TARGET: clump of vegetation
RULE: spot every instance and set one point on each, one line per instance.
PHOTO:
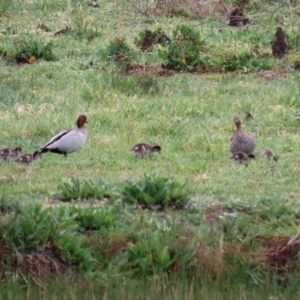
(183, 53)
(162, 252)
(28, 49)
(93, 218)
(77, 189)
(39, 242)
(244, 62)
(148, 38)
(155, 192)
(120, 51)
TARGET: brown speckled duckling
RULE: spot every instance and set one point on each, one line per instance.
(143, 149)
(7, 154)
(241, 158)
(28, 159)
(269, 155)
(241, 141)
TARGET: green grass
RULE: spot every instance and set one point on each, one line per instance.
(189, 115)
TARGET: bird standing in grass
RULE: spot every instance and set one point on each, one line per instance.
(241, 141)
(68, 141)
(143, 149)
(28, 159)
(269, 155)
(241, 158)
(7, 154)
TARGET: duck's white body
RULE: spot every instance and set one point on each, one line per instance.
(68, 141)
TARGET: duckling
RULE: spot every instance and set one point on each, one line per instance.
(248, 115)
(269, 155)
(7, 154)
(241, 158)
(241, 140)
(143, 149)
(68, 141)
(28, 159)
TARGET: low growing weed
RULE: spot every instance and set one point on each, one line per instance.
(77, 189)
(119, 50)
(155, 192)
(27, 49)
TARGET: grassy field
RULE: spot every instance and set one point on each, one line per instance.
(189, 114)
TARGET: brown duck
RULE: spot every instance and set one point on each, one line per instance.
(7, 154)
(241, 141)
(269, 155)
(241, 158)
(143, 149)
(28, 159)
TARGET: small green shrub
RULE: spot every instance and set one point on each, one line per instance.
(155, 192)
(94, 218)
(245, 63)
(183, 53)
(158, 251)
(77, 189)
(36, 227)
(50, 232)
(26, 47)
(119, 50)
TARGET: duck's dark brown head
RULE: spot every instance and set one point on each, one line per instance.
(81, 121)
(18, 149)
(156, 149)
(251, 156)
(37, 154)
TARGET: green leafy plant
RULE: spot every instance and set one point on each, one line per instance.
(119, 50)
(94, 218)
(183, 53)
(245, 62)
(27, 48)
(155, 191)
(45, 232)
(160, 250)
(77, 189)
